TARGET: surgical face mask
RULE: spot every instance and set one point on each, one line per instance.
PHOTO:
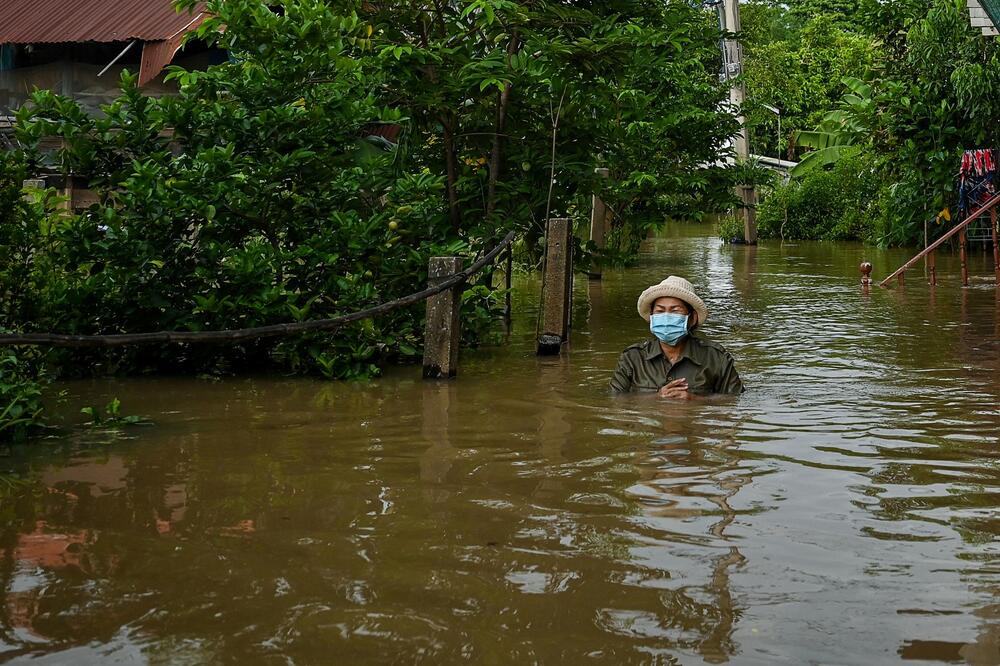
(669, 327)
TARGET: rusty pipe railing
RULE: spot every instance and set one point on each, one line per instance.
(959, 228)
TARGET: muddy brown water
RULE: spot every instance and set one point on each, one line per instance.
(842, 511)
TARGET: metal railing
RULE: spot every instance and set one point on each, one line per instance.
(959, 230)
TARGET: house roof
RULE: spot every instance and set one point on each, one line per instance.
(54, 21)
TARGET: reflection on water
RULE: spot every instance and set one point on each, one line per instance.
(842, 511)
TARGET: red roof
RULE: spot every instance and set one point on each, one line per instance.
(51, 21)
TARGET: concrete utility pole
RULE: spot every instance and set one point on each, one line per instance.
(732, 63)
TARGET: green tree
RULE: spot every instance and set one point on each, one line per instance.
(518, 102)
(244, 200)
(801, 77)
(935, 96)
(841, 130)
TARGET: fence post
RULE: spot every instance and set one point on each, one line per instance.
(996, 246)
(963, 258)
(443, 328)
(557, 286)
(598, 224)
(748, 196)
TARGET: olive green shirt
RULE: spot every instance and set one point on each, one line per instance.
(707, 367)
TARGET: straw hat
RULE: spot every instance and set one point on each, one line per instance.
(674, 286)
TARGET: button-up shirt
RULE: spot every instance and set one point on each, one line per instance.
(707, 367)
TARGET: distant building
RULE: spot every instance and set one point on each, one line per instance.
(79, 47)
(985, 15)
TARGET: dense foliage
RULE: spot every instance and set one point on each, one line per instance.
(517, 103)
(915, 85)
(834, 204)
(258, 205)
(935, 97)
(265, 190)
(799, 73)
(21, 386)
(21, 380)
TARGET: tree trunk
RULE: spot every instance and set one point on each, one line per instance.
(496, 154)
(451, 165)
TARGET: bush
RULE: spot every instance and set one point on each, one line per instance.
(20, 397)
(731, 228)
(835, 204)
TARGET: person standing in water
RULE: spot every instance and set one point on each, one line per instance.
(674, 362)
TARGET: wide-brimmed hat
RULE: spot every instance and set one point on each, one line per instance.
(676, 287)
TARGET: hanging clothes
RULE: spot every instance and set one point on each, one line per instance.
(976, 180)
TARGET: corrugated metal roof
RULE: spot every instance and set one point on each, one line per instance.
(51, 21)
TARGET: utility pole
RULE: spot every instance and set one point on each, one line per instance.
(732, 64)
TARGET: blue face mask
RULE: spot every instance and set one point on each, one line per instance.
(669, 327)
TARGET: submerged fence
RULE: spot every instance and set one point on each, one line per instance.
(441, 338)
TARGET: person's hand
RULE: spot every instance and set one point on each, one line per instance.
(676, 390)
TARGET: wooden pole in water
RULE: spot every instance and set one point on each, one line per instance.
(508, 281)
(557, 287)
(443, 328)
(996, 247)
(932, 266)
(963, 258)
(598, 224)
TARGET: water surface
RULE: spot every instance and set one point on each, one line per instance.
(842, 511)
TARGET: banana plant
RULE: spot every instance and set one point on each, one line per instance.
(839, 132)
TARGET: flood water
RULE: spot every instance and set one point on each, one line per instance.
(842, 511)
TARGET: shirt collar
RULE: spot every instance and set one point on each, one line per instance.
(693, 350)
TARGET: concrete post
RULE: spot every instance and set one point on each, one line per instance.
(748, 195)
(443, 328)
(557, 287)
(732, 62)
(598, 224)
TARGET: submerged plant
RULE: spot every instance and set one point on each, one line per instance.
(21, 389)
(111, 416)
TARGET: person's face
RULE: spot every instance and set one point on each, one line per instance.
(671, 305)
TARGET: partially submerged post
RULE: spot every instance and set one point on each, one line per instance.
(732, 63)
(598, 224)
(963, 258)
(557, 287)
(996, 247)
(932, 267)
(866, 275)
(508, 283)
(443, 329)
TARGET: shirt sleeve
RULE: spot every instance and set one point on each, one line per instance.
(729, 380)
(621, 382)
